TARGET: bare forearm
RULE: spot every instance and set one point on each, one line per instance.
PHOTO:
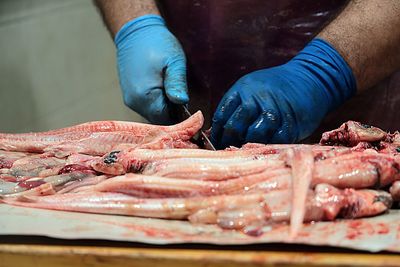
(367, 35)
(117, 12)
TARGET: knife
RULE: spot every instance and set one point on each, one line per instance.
(207, 142)
(180, 113)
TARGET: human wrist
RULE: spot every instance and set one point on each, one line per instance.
(137, 24)
(326, 68)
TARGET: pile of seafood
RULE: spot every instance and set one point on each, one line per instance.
(134, 169)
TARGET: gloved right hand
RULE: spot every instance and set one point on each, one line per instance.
(151, 68)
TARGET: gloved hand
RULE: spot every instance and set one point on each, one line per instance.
(284, 104)
(151, 68)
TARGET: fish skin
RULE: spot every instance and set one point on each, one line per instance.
(325, 203)
(15, 189)
(97, 138)
(160, 187)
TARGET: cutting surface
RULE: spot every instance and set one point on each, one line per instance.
(371, 234)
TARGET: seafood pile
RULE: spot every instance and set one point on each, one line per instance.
(142, 170)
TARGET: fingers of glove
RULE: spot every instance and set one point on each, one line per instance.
(149, 103)
(265, 126)
(267, 122)
(287, 133)
(175, 81)
(235, 129)
(225, 109)
(158, 112)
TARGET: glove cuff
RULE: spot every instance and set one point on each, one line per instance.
(328, 68)
(137, 24)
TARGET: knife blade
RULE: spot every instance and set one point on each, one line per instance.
(179, 113)
(203, 135)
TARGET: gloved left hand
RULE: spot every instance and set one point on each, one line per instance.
(284, 104)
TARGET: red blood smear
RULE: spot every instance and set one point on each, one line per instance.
(303, 234)
(31, 184)
(9, 178)
(383, 229)
(72, 168)
(352, 235)
(254, 232)
(398, 232)
(355, 224)
(147, 230)
(33, 150)
(359, 228)
(7, 164)
(354, 230)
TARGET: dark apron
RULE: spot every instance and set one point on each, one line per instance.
(226, 39)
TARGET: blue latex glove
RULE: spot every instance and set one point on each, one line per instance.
(151, 68)
(284, 104)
